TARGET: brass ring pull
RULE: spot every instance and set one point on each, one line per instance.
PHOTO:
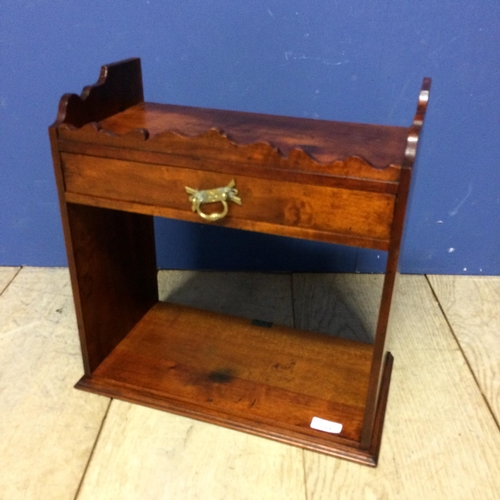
(217, 195)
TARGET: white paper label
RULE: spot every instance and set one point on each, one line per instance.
(320, 424)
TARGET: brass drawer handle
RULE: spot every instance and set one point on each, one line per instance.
(222, 195)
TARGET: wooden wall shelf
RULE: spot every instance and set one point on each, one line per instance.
(119, 161)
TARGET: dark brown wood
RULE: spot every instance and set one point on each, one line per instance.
(347, 213)
(248, 225)
(218, 364)
(324, 141)
(215, 364)
(115, 274)
(112, 264)
(380, 350)
(120, 161)
(119, 87)
(342, 174)
(378, 424)
(312, 145)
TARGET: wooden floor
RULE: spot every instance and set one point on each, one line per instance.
(441, 438)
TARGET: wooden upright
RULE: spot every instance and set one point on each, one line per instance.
(119, 161)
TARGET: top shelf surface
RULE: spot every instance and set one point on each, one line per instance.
(324, 141)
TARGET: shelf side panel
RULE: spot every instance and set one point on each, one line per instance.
(381, 349)
(114, 271)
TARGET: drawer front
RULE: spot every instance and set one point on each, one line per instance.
(278, 206)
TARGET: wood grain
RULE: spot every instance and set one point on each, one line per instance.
(440, 441)
(7, 274)
(144, 453)
(345, 213)
(325, 141)
(118, 87)
(350, 173)
(48, 429)
(268, 380)
(472, 306)
(113, 267)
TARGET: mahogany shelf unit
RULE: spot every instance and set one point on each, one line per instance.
(120, 161)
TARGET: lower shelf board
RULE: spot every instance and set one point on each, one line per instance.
(251, 376)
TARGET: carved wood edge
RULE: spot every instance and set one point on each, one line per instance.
(118, 87)
(216, 144)
(418, 122)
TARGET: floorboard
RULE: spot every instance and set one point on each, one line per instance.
(48, 429)
(144, 453)
(472, 306)
(440, 440)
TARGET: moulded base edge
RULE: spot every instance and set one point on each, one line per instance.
(336, 447)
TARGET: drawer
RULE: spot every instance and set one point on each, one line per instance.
(279, 206)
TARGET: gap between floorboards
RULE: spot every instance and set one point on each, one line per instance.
(91, 454)
(455, 337)
(11, 280)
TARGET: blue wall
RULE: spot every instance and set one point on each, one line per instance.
(354, 61)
